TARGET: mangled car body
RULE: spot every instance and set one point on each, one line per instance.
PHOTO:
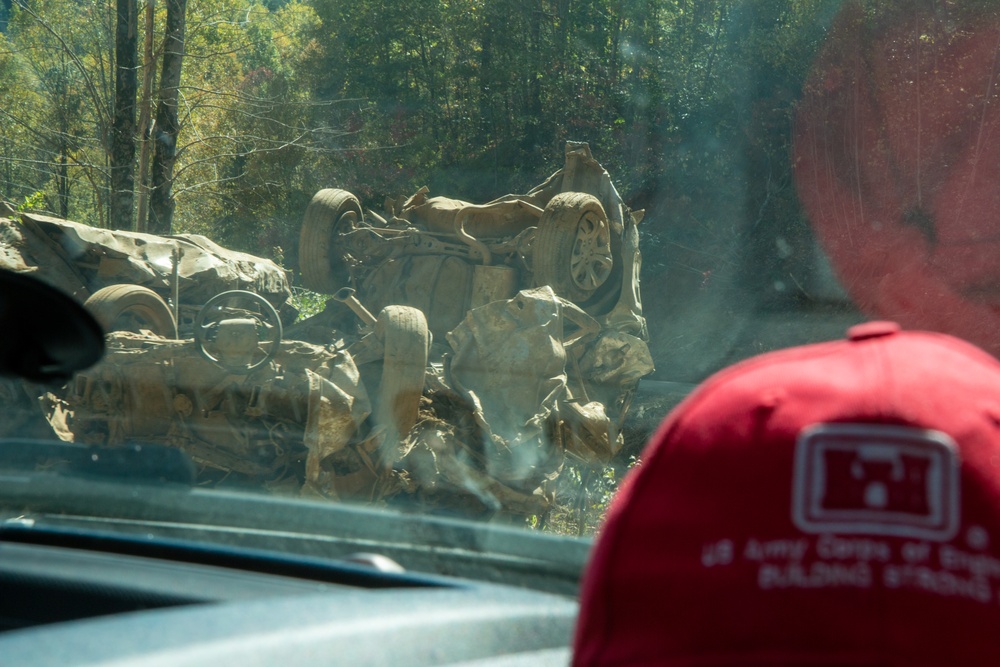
(444, 256)
(131, 280)
(573, 234)
(467, 392)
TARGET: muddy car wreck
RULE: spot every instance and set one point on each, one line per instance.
(128, 279)
(467, 352)
(444, 256)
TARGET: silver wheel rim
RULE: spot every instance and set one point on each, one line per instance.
(591, 262)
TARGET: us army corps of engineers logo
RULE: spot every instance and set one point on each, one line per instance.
(878, 480)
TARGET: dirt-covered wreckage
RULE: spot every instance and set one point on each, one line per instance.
(468, 350)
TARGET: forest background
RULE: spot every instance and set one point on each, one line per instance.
(688, 103)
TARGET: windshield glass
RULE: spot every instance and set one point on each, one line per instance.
(457, 258)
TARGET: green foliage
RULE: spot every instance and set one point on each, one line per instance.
(57, 52)
(687, 102)
(583, 497)
(307, 302)
(32, 202)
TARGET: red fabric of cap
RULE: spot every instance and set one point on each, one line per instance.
(834, 504)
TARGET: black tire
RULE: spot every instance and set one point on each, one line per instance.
(322, 267)
(403, 332)
(132, 308)
(573, 252)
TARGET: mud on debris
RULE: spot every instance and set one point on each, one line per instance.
(467, 353)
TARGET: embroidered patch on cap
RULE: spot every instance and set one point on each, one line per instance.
(877, 480)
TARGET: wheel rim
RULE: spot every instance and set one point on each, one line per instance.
(591, 261)
(346, 223)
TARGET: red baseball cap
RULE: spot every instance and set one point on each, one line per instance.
(833, 504)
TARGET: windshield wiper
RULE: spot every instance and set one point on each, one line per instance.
(130, 463)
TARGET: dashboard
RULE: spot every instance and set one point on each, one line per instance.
(99, 571)
(67, 606)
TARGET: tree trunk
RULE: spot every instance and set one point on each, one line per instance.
(167, 127)
(532, 112)
(123, 122)
(62, 181)
(145, 116)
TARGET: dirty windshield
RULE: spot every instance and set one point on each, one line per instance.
(459, 258)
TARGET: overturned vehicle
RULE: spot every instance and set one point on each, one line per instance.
(474, 410)
(133, 281)
(572, 234)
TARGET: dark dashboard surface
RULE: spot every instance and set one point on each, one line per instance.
(67, 606)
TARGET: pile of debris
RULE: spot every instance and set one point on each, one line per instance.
(508, 339)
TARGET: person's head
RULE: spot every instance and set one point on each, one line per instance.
(834, 504)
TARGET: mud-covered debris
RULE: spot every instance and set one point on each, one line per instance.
(301, 407)
(81, 260)
(471, 350)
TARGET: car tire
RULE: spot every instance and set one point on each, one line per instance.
(573, 251)
(132, 308)
(322, 267)
(404, 336)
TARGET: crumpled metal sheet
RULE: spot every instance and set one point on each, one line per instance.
(80, 260)
(440, 466)
(589, 431)
(521, 371)
(25, 251)
(439, 214)
(337, 406)
(437, 285)
(580, 173)
(511, 364)
(308, 403)
(510, 359)
(616, 360)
